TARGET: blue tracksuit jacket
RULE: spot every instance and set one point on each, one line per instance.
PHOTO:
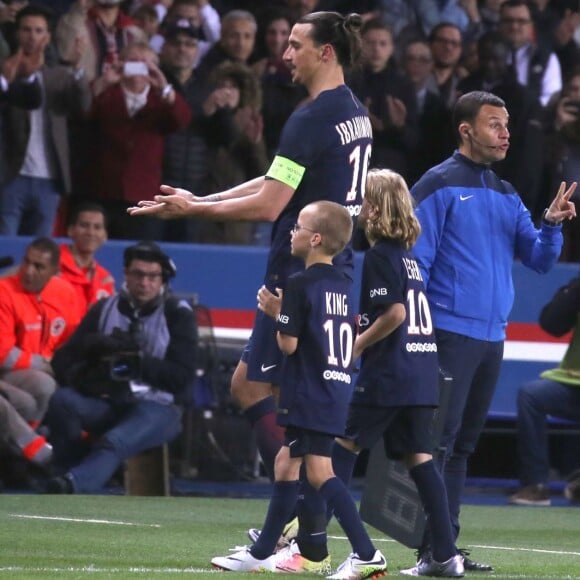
(473, 226)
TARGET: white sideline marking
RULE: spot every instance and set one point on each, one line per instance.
(99, 570)
(82, 521)
(535, 550)
(373, 539)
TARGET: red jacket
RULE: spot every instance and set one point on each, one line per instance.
(130, 150)
(91, 284)
(33, 326)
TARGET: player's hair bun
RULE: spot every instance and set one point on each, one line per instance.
(353, 22)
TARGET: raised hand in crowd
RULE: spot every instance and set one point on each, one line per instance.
(221, 98)
(250, 122)
(567, 111)
(79, 48)
(397, 111)
(22, 64)
(112, 73)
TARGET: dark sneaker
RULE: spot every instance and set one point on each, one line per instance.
(452, 568)
(572, 491)
(471, 565)
(533, 495)
(59, 485)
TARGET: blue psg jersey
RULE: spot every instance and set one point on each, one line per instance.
(316, 385)
(331, 139)
(401, 369)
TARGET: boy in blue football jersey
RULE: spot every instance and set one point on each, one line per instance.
(315, 330)
(397, 388)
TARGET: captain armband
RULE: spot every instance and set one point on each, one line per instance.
(286, 171)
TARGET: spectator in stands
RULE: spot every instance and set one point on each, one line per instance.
(107, 29)
(436, 141)
(564, 43)
(123, 374)
(445, 42)
(8, 22)
(556, 393)
(242, 157)
(389, 97)
(147, 20)
(238, 38)
(38, 159)
(564, 151)
(534, 66)
(555, 23)
(38, 312)
(87, 230)
(133, 114)
(281, 95)
(489, 13)
(203, 17)
(523, 164)
(186, 151)
(473, 225)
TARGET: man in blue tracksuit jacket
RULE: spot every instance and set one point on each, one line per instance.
(473, 226)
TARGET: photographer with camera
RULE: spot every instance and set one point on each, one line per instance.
(123, 373)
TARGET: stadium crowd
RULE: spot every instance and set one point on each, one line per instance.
(86, 122)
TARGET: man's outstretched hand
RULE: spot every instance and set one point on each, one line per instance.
(173, 203)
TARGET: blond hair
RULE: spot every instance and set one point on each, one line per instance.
(334, 224)
(395, 219)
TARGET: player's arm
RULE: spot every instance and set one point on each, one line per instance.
(286, 343)
(261, 199)
(391, 318)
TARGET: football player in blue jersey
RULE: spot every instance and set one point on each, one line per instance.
(315, 329)
(323, 153)
(473, 225)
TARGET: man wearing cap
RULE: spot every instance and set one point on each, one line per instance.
(123, 374)
(186, 151)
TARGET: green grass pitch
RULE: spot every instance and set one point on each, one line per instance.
(97, 537)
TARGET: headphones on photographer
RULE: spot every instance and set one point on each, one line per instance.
(150, 252)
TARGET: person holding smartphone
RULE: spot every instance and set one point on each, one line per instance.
(135, 109)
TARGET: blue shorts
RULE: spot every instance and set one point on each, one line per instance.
(303, 442)
(261, 354)
(404, 430)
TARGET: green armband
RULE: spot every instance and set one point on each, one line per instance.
(286, 171)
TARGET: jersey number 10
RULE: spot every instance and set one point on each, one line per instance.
(345, 340)
(359, 171)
